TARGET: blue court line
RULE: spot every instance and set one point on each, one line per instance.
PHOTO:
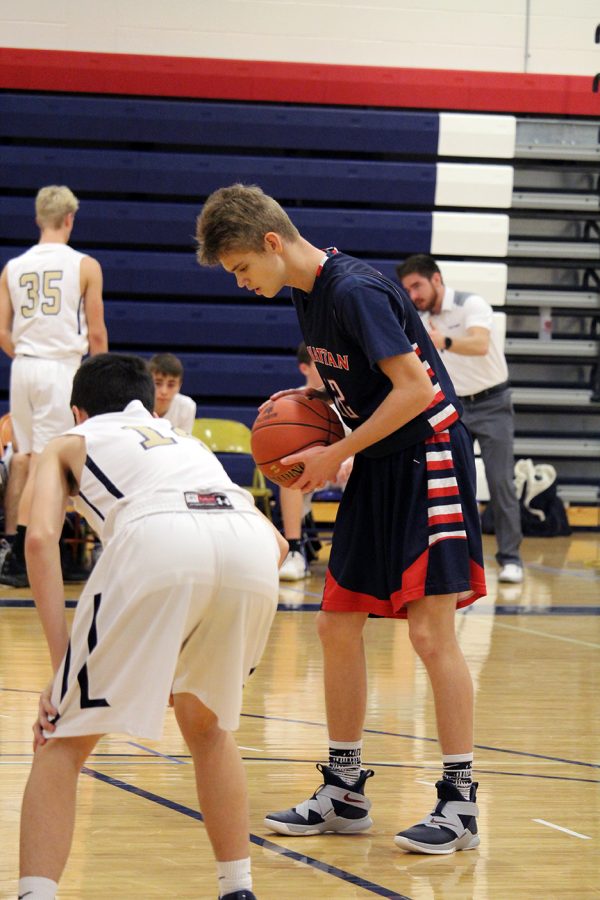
(479, 609)
(28, 603)
(389, 765)
(185, 759)
(255, 839)
(503, 609)
(500, 609)
(152, 752)
(416, 737)
(411, 737)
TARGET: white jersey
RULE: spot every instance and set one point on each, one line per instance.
(45, 291)
(135, 461)
(470, 374)
(181, 412)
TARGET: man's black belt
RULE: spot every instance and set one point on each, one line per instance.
(489, 392)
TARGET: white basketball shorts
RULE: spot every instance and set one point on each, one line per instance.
(40, 400)
(178, 602)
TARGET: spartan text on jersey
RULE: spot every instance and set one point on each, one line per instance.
(323, 356)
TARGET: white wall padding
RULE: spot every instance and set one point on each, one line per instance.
(490, 137)
(463, 184)
(469, 234)
(489, 280)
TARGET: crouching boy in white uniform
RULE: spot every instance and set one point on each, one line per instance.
(181, 601)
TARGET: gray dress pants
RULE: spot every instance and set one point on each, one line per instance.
(491, 421)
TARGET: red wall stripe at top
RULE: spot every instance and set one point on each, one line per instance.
(288, 82)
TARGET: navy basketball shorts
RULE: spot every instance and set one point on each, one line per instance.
(408, 527)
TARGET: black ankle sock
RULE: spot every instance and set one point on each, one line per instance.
(295, 545)
(18, 547)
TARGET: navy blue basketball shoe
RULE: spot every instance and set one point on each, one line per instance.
(451, 826)
(334, 806)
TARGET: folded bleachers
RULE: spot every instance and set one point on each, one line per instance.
(490, 196)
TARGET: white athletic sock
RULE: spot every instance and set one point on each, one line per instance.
(234, 876)
(34, 888)
(345, 759)
(458, 769)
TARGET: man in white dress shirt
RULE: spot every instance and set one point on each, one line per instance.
(460, 326)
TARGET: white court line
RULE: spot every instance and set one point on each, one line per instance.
(584, 837)
(256, 749)
(554, 637)
(428, 783)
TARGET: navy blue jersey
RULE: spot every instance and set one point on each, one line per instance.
(353, 318)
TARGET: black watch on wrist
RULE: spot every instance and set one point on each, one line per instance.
(447, 343)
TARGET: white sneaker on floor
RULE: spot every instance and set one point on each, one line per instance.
(294, 567)
(511, 573)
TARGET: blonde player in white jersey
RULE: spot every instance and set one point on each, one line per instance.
(180, 602)
(51, 314)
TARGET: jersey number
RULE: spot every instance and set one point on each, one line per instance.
(339, 400)
(50, 291)
(152, 437)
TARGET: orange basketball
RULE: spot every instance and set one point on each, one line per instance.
(286, 426)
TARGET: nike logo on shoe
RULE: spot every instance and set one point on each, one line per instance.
(349, 799)
(28, 894)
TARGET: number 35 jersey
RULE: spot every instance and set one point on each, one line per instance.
(45, 291)
(137, 462)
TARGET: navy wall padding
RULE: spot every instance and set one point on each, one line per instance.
(224, 375)
(186, 174)
(237, 375)
(360, 179)
(173, 224)
(141, 273)
(226, 125)
(163, 325)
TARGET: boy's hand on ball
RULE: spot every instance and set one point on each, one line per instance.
(320, 466)
(309, 392)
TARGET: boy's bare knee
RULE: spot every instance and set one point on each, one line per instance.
(71, 751)
(193, 717)
(340, 628)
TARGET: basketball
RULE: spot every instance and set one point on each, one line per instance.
(286, 426)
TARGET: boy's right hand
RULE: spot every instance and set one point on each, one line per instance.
(43, 723)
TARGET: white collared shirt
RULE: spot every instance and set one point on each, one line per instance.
(460, 311)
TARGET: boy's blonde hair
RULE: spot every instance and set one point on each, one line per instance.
(237, 218)
(53, 203)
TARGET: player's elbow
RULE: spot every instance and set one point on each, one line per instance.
(98, 341)
(423, 395)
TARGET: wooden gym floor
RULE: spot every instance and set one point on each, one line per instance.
(533, 652)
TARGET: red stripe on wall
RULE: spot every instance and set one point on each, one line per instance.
(286, 82)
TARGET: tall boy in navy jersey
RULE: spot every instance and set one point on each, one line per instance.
(407, 540)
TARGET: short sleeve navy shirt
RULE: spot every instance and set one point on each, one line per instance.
(353, 318)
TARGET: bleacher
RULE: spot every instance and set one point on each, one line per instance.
(508, 206)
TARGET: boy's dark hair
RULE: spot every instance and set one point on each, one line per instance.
(302, 354)
(421, 263)
(107, 382)
(166, 364)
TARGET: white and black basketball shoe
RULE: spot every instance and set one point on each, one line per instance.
(334, 807)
